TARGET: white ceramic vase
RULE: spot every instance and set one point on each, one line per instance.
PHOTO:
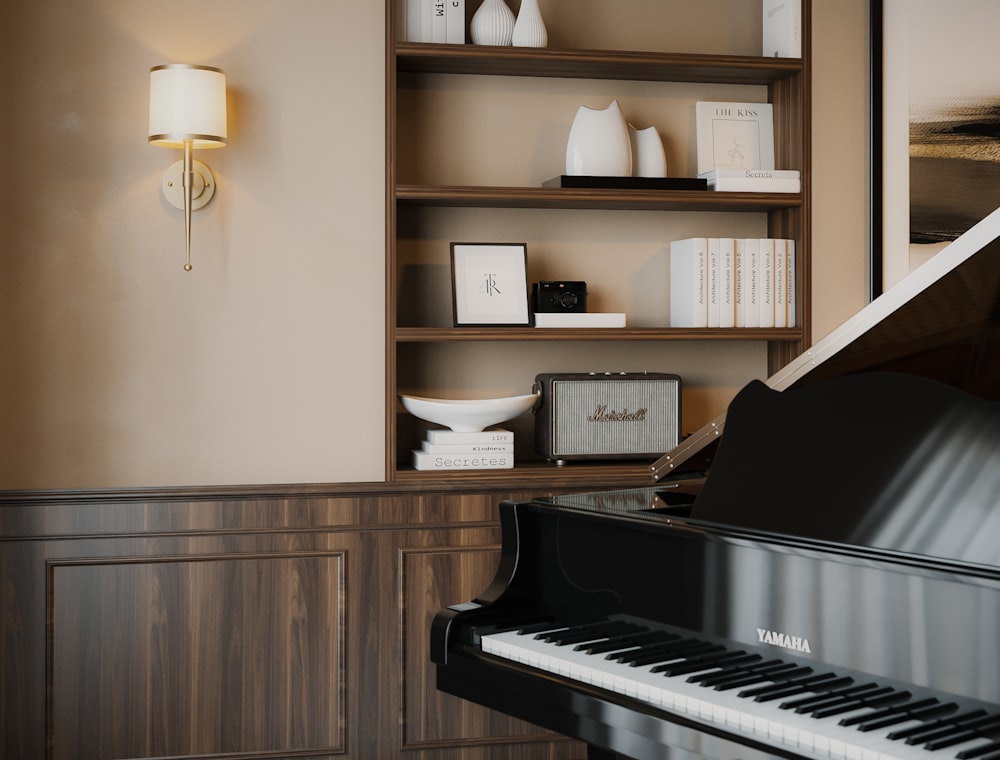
(598, 144)
(529, 29)
(648, 157)
(492, 24)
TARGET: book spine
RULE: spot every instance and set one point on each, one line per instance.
(780, 284)
(727, 282)
(782, 29)
(414, 21)
(739, 272)
(790, 253)
(752, 275)
(713, 277)
(486, 436)
(425, 461)
(719, 174)
(688, 282)
(467, 448)
(439, 21)
(737, 185)
(766, 302)
(455, 22)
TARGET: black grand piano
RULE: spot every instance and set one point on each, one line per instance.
(821, 580)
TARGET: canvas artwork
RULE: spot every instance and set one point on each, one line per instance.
(941, 130)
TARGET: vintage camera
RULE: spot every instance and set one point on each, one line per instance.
(559, 295)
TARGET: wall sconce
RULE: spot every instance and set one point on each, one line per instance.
(187, 109)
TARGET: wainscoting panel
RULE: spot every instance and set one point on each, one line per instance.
(205, 657)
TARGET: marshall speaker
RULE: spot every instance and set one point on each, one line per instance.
(624, 415)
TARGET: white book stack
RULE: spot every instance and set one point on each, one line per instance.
(732, 282)
(450, 450)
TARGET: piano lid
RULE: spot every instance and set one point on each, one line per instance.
(940, 322)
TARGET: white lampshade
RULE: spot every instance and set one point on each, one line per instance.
(187, 103)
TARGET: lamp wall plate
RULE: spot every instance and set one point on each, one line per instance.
(201, 191)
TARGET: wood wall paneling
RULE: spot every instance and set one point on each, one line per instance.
(244, 625)
(202, 657)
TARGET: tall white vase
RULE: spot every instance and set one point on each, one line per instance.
(529, 29)
(492, 24)
(598, 144)
(648, 157)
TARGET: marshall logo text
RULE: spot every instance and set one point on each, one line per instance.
(783, 640)
(601, 414)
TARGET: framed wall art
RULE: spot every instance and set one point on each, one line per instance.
(936, 128)
(490, 284)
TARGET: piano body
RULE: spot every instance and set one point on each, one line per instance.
(831, 586)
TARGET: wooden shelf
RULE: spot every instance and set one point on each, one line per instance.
(461, 196)
(575, 475)
(592, 64)
(458, 334)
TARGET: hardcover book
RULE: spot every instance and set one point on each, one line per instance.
(766, 300)
(455, 15)
(467, 448)
(496, 435)
(734, 135)
(782, 34)
(753, 180)
(500, 461)
(714, 280)
(727, 282)
(688, 272)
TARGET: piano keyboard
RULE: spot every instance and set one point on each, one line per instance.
(783, 703)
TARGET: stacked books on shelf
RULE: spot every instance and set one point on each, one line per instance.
(732, 282)
(435, 21)
(450, 450)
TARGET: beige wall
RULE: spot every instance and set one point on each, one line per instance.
(265, 364)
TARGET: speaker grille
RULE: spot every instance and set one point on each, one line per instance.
(615, 416)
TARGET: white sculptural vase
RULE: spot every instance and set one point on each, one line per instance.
(492, 24)
(648, 157)
(529, 29)
(598, 144)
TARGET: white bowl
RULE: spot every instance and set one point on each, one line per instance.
(468, 416)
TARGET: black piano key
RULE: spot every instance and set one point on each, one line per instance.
(949, 729)
(626, 641)
(587, 632)
(543, 625)
(968, 732)
(729, 668)
(750, 675)
(912, 735)
(828, 697)
(891, 715)
(790, 683)
(979, 751)
(888, 697)
(664, 652)
(695, 664)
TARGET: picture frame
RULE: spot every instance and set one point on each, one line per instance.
(490, 284)
(933, 104)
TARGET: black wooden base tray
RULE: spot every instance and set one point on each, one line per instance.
(627, 183)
